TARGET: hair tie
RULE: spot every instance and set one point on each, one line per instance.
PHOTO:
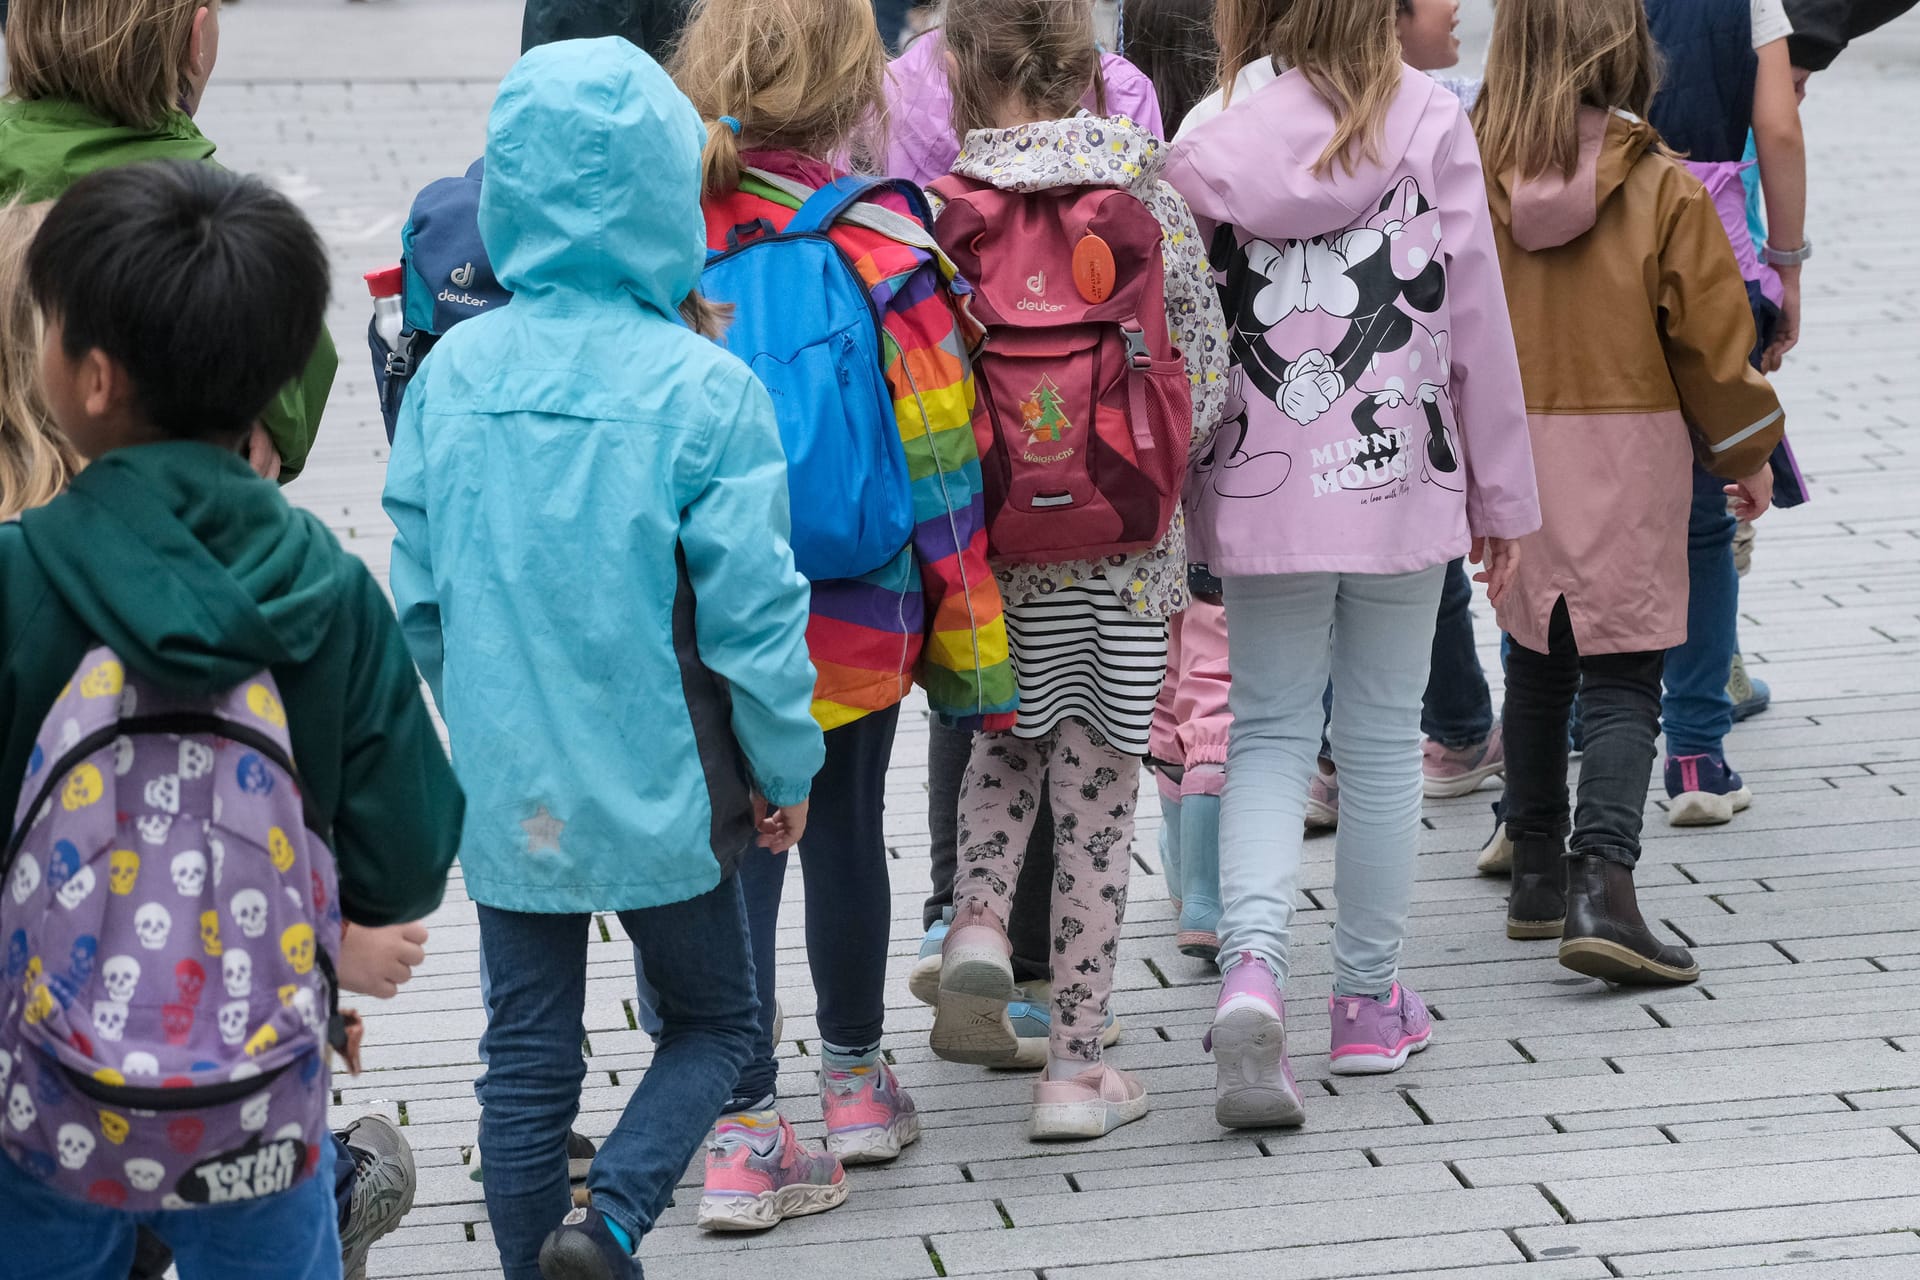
(732, 124)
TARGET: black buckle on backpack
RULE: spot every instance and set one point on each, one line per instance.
(1136, 338)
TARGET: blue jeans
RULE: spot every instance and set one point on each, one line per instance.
(1373, 633)
(291, 1236)
(697, 959)
(1696, 711)
(849, 899)
(1457, 710)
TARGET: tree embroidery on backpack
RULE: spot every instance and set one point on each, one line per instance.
(1041, 413)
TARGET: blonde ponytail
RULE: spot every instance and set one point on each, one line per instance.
(797, 75)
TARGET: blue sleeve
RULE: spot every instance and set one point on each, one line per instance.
(410, 576)
(750, 603)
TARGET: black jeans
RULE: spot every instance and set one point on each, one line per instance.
(1031, 928)
(849, 899)
(1620, 712)
(654, 25)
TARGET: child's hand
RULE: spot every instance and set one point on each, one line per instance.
(1501, 556)
(780, 829)
(1753, 495)
(376, 962)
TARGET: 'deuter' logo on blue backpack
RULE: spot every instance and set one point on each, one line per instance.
(447, 277)
(846, 469)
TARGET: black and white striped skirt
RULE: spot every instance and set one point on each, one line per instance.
(1079, 652)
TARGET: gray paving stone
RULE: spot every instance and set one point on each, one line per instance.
(1733, 1154)
(1481, 1251)
(1901, 1245)
(1667, 1232)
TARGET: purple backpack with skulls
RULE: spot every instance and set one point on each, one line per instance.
(169, 912)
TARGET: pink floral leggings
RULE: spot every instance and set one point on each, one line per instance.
(1093, 788)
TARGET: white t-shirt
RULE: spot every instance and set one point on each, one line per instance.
(1255, 75)
(1770, 22)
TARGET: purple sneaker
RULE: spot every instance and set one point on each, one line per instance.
(1703, 791)
(1254, 1086)
(1371, 1036)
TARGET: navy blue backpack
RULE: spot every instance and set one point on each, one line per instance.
(822, 362)
(447, 278)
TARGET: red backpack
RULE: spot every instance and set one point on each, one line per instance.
(1084, 414)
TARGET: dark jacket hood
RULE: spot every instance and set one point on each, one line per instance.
(193, 569)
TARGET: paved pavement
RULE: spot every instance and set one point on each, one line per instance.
(1768, 1117)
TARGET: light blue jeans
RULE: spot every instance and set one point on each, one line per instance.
(1373, 633)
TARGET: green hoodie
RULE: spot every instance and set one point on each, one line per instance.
(198, 574)
(48, 144)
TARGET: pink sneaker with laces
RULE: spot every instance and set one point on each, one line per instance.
(759, 1174)
(1459, 771)
(1254, 1086)
(870, 1118)
(1091, 1105)
(1371, 1036)
(1323, 801)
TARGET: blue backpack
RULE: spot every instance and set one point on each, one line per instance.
(447, 278)
(847, 475)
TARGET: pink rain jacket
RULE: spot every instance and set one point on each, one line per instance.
(921, 144)
(1375, 417)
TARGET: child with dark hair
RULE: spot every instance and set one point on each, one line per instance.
(177, 300)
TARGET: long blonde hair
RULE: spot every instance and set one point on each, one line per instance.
(1549, 58)
(1349, 51)
(1041, 51)
(798, 75)
(127, 60)
(35, 460)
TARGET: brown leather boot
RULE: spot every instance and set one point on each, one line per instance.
(1606, 937)
(1537, 907)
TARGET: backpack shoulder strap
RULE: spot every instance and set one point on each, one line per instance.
(825, 206)
(873, 217)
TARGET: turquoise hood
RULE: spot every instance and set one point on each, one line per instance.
(590, 505)
(622, 215)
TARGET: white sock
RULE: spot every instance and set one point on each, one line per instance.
(1062, 1069)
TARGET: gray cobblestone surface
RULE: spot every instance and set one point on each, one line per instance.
(1767, 1118)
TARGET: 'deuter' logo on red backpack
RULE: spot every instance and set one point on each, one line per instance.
(1084, 411)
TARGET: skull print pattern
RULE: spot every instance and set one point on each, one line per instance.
(169, 918)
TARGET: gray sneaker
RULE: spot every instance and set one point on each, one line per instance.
(383, 1184)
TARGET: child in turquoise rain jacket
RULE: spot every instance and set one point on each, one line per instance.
(592, 571)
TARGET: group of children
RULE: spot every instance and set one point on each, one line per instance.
(1192, 442)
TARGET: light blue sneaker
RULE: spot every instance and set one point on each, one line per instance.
(924, 980)
(1032, 1019)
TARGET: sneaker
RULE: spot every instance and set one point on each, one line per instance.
(1371, 1036)
(870, 1118)
(1703, 792)
(1201, 944)
(1091, 1105)
(1459, 771)
(1323, 801)
(759, 1174)
(1496, 855)
(1750, 696)
(583, 1247)
(970, 1021)
(1254, 1086)
(1032, 1019)
(382, 1192)
(924, 981)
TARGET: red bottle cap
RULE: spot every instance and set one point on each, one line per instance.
(388, 282)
